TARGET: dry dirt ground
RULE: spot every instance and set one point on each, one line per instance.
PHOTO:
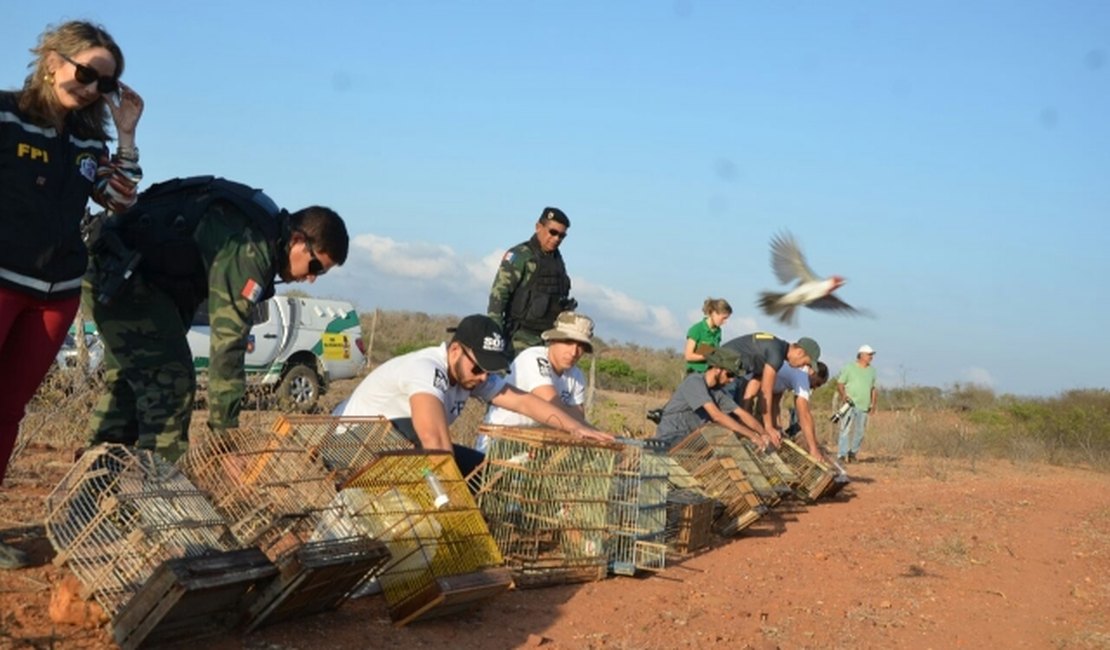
(915, 553)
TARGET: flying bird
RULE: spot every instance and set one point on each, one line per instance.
(789, 264)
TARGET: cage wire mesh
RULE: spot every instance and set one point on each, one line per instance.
(722, 479)
(813, 477)
(270, 489)
(119, 513)
(345, 444)
(443, 557)
(760, 472)
(638, 509)
(277, 495)
(778, 471)
(546, 497)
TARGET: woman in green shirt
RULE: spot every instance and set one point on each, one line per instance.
(704, 336)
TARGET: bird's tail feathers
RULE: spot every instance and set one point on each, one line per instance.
(770, 303)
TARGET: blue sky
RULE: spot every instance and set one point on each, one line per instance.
(949, 158)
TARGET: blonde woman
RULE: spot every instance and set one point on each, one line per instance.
(704, 336)
(53, 157)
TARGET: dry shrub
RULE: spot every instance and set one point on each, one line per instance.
(58, 414)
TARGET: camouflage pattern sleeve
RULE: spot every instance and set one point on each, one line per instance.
(239, 274)
(510, 274)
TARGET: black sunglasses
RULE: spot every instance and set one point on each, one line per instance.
(86, 75)
(315, 266)
(561, 234)
(476, 369)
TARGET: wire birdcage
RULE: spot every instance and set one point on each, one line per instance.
(638, 509)
(546, 497)
(813, 476)
(119, 513)
(689, 520)
(764, 480)
(277, 495)
(722, 479)
(345, 444)
(443, 557)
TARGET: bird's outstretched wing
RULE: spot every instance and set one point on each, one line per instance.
(832, 303)
(787, 260)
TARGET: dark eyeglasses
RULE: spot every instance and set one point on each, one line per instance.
(315, 266)
(86, 75)
(561, 234)
(475, 369)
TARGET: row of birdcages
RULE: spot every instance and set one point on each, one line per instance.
(253, 527)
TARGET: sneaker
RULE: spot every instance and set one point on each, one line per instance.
(12, 558)
(841, 459)
(851, 457)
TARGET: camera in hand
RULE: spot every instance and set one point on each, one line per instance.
(842, 411)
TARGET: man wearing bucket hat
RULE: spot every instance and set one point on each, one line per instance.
(702, 398)
(761, 357)
(424, 391)
(856, 384)
(550, 372)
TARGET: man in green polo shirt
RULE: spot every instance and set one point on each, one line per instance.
(856, 383)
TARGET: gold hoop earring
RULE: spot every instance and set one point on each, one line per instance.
(48, 78)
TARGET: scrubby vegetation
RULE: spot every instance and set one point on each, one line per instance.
(961, 421)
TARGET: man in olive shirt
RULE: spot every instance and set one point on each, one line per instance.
(702, 398)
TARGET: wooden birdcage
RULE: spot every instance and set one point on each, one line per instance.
(689, 520)
(192, 597)
(766, 482)
(345, 444)
(277, 495)
(443, 557)
(545, 495)
(813, 476)
(118, 517)
(638, 509)
(721, 478)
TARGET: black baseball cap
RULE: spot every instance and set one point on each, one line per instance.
(483, 337)
(554, 214)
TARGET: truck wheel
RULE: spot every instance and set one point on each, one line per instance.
(299, 389)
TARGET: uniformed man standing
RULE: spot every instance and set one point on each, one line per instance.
(184, 242)
(532, 287)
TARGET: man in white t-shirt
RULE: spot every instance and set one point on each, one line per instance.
(423, 392)
(549, 372)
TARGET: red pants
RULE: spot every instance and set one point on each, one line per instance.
(31, 332)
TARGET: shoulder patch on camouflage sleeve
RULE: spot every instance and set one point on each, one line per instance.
(252, 291)
(508, 257)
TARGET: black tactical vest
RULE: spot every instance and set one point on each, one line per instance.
(538, 301)
(164, 219)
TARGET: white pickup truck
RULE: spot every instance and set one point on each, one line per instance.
(296, 346)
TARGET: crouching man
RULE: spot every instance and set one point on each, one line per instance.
(424, 391)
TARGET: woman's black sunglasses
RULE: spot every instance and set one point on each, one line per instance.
(86, 75)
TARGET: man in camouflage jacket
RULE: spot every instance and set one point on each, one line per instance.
(230, 260)
(532, 287)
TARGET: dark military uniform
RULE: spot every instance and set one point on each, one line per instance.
(230, 259)
(757, 350)
(529, 291)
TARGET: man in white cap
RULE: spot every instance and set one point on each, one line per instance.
(549, 372)
(856, 384)
(424, 391)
